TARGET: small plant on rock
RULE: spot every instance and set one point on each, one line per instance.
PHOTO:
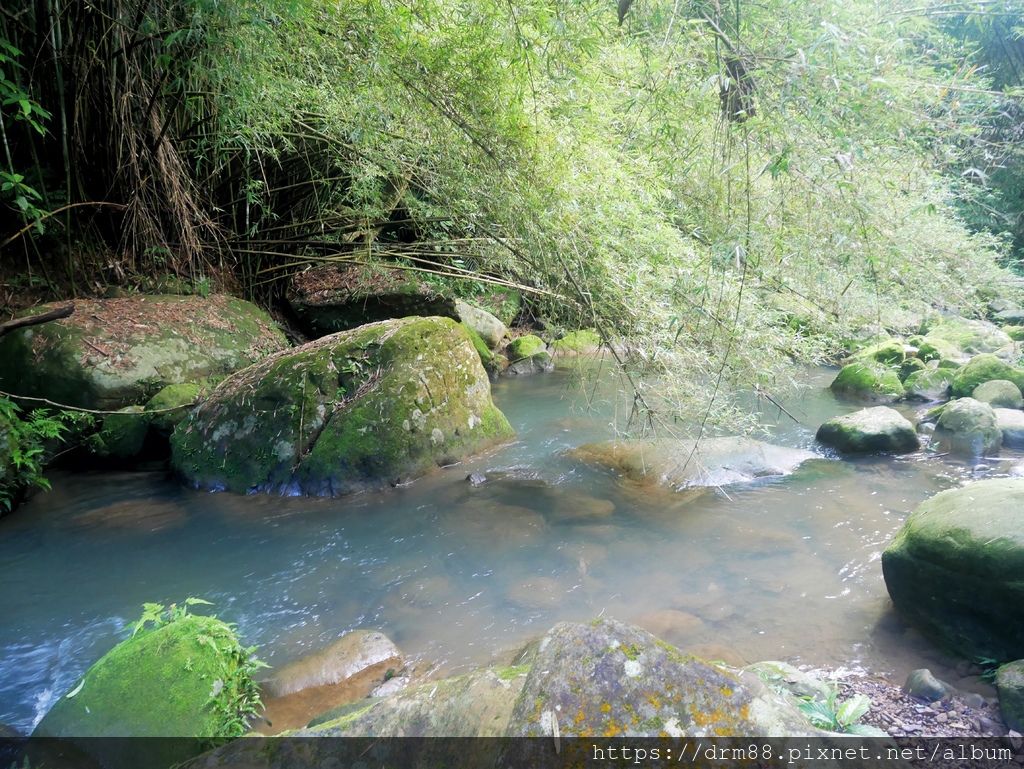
(835, 716)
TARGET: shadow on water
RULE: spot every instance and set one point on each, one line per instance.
(456, 573)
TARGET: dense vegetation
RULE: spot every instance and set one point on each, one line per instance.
(731, 186)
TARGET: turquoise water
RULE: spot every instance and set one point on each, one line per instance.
(459, 575)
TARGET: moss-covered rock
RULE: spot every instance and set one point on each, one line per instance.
(984, 368)
(528, 355)
(878, 429)
(113, 353)
(366, 408)
(1016, 333)
(610, 679)
(171, 405)
(954, 569)
(999, 393)
(121, 435)
(967, 337)
(868, 382)
(932, 384)
(585, 342)
(1009, 316)
(909, 367)
(938, 349)
(969, 427)
(171, 681)
(890, 352)
(1010, 684)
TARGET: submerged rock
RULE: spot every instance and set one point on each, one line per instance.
(878, 429)
(954, 569)
(967, 426)
(608, 678)
(351, 654)
(113, 353)
(869, 382)
(367, 408)
(678, 464)
(999, 393)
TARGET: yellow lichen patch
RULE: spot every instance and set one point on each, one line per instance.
(606, 707)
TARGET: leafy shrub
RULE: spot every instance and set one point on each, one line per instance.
(22, 450)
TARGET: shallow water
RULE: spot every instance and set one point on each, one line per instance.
(460, 575)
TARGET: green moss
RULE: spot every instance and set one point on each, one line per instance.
(486, 356)
(180, 397)
(910, 366)
(161, 682)
(929, 384)
(1016, 333)
(984, 368)
(868, 381)
(578, 343)
(122, 435)
(509, 673)
(525, 347)
(889, 352)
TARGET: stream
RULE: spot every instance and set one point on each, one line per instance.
(460, 575)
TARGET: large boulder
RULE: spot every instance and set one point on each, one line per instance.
(1013, 316)
(187, 678)
(878, 429)
(984, 368)
(678, 464)
(968, 337)
(967, 426)
(999, 393)
(360, 409)
(607, 678)
(931, 384)
(868, 381)
(113, 353)
(954, 569)
(1011, 424)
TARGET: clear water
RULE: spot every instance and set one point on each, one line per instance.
(458, 575)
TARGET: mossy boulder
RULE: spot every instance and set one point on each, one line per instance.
(585, 342)
(361, 409)
(984, 368)
(909, 367)
(955, 567)
(1013, 316)
(171, 405)
(890, 352)
(873, 430)
(967, 337)
(678, 464)
(611, 679)
(1010, 684)
(494, 363)
(528, 355)
(121, 435)
(932, 384)
(491, 330)
(1016, 333)
(969, 427)
(169, 681)
(999, 393)
(868, 382)
(113, 353)
(938, 349)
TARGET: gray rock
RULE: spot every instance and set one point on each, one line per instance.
(999, 393)
(490, 329)
(878, 429)
(1011, 423)
(932, 384)
(608, 678)
(925, 686)
(348, 656)
(1010, 316)
(967, 426)
(677, 464)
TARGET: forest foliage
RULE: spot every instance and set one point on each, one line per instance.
(730, 186)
